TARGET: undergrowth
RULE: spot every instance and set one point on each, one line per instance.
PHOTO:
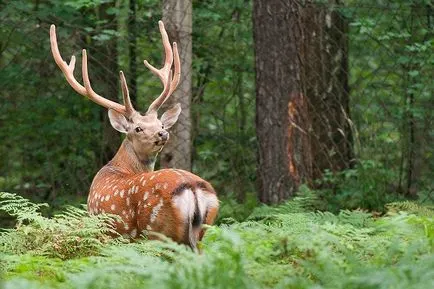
(289, 246)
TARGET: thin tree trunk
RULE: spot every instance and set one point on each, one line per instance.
(132, 44)
(177, 16)
(108, 75)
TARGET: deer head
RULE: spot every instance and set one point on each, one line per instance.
(146, 133)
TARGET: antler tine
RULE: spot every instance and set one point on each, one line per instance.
(68, 71)
(92, 95)
(125, 94)
(165, 72)
(177, 73)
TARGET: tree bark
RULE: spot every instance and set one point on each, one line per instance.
(301, 95)
(177, 17)
(107, 74)
(325, 83)
(277, 66)
(132, 45)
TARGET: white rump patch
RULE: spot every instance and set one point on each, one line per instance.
(206, 201)
(185, 203)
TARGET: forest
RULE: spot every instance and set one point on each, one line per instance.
(313, 120)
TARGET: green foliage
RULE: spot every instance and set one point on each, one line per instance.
(277, 247)
(368, 185)
(391, 89)
(72, 233)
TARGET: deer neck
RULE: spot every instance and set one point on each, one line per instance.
(127, 160)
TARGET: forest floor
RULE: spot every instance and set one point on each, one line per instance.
(289, 246)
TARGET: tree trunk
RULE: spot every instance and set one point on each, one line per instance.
(325, 83)
(132, 45)
(301, 95)
(177, 16)
(107, 74)
(277, 66)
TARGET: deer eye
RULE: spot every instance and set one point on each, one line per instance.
(138, 129)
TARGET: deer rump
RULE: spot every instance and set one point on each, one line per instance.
(179, 211)
(196, 206)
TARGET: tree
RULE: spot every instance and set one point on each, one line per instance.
(132, 45)
(302, 95)
(177, 16)
(106, 52)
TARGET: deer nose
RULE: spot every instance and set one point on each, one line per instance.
(164, 135)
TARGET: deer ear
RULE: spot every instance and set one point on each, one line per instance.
(118, 121)
(170, 116)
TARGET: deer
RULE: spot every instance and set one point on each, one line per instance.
(171, 202)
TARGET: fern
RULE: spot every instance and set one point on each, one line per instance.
(410, 207)
(287, 246)
(71, 234)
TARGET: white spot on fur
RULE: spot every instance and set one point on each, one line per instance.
(121, 193)
(116, 193)
(156, 210)
(149, 228)
(113, 207)
(145, 196)
(126, 227)
(107, 198)
(165, 186)
(152, 177)
(133, 233)
(128, 201)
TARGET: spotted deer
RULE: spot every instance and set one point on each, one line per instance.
(172, 202)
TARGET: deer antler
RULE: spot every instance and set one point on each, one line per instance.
(164, 73)
(86, 90)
